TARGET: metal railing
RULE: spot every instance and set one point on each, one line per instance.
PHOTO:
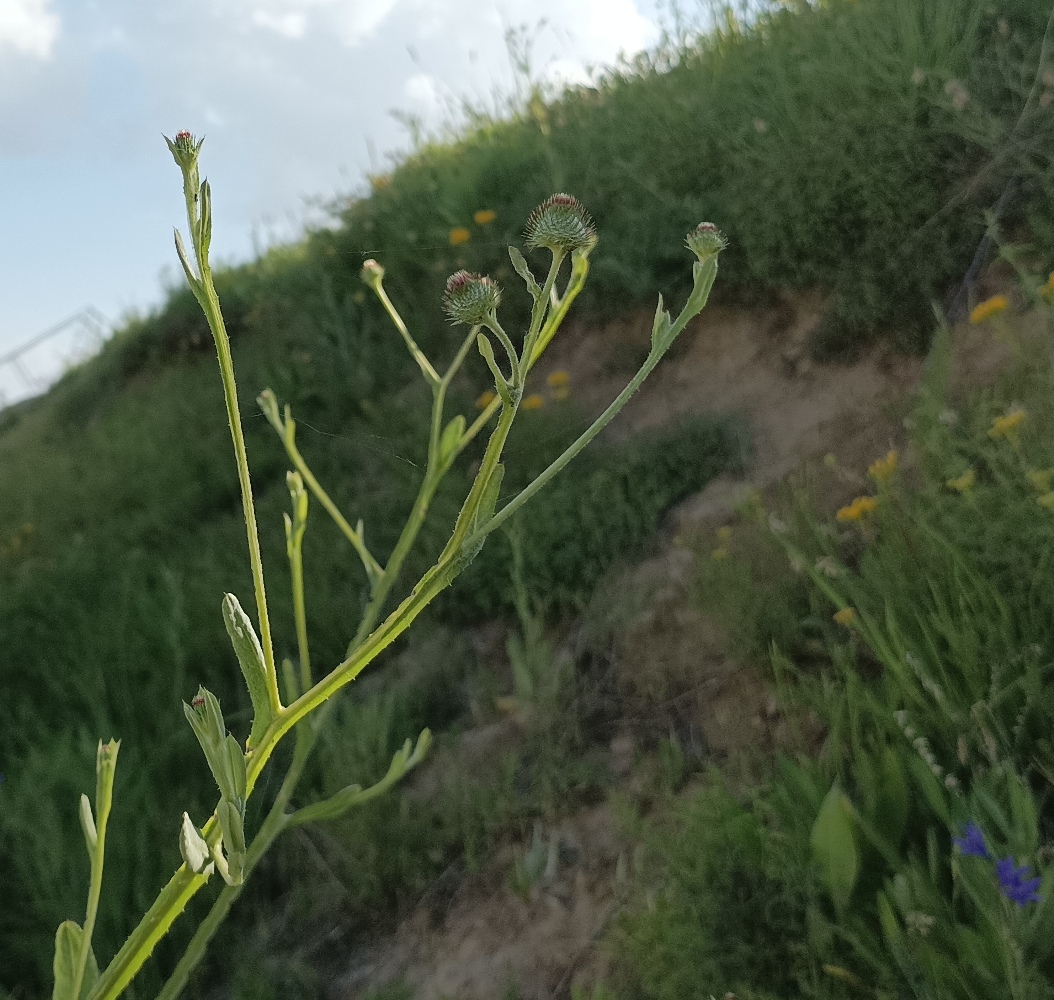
(90, 325)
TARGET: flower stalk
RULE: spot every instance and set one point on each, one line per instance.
(561, 226)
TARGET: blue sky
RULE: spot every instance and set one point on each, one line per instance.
(295, 98)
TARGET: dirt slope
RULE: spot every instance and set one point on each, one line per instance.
(474, 937)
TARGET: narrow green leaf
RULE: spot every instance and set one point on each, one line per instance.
(892, 806)
(181, 251)
(251, 660)
(660, 326)
(834, 846)
(68, 942)
(932, 788)
(232, 825)
(206, 218)
(486, 350)
(484, 512)
(452, 434)
(520, 265)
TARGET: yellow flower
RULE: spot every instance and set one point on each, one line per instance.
(486, 399)
(485, 216)
(1041, 479)
(1047, 500)
(963, 483)
(845, 617)
(882, 469)
(989, 308)
(858, 509)
(459, 235)
(1008, 424)
(830, 460)
(532, 402)
(724, 533)
(559, 383)
(719, 554)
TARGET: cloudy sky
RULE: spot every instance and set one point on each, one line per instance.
(295, 98)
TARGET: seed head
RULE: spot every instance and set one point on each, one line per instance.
(470, 298)
(560, 223)
(706, 241)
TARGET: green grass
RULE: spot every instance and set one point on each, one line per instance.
(804, 135)
(930, 708)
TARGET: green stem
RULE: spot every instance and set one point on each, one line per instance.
(418, 355)
(557, 466)
(552, 324)
(514, 362)
(105, 771)
(435, 470)
(296, 566)
(437, 579)
(541, 307)
(211, 305)
(575, 284)
(94, 891)
(275, 823)
(277, 820)
(171, 902)
(372, 567)
(696, 302)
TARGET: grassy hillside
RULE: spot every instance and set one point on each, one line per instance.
(850, 146)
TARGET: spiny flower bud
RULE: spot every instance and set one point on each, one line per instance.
(706, 241)
(372, 273)
(470, 298)
(184, 149)
(560, 223)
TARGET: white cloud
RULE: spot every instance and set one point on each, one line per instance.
(609, 27)
(290, 24)
(423, 92)
(30, 26)
(358, 19)
(352, 21)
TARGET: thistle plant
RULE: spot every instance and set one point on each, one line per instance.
(291, 701)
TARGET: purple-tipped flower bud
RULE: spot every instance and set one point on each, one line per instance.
(184, 149)
(372, 273)
(560, 223)
(706, 241)
(470, 298)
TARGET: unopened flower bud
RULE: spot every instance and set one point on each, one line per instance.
(560, 223)
(184, 149)
(706, 241)
(193, 848)
(372, 273)
(470, 298)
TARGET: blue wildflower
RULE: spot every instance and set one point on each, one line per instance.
(1017, 883)
(972, 843)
